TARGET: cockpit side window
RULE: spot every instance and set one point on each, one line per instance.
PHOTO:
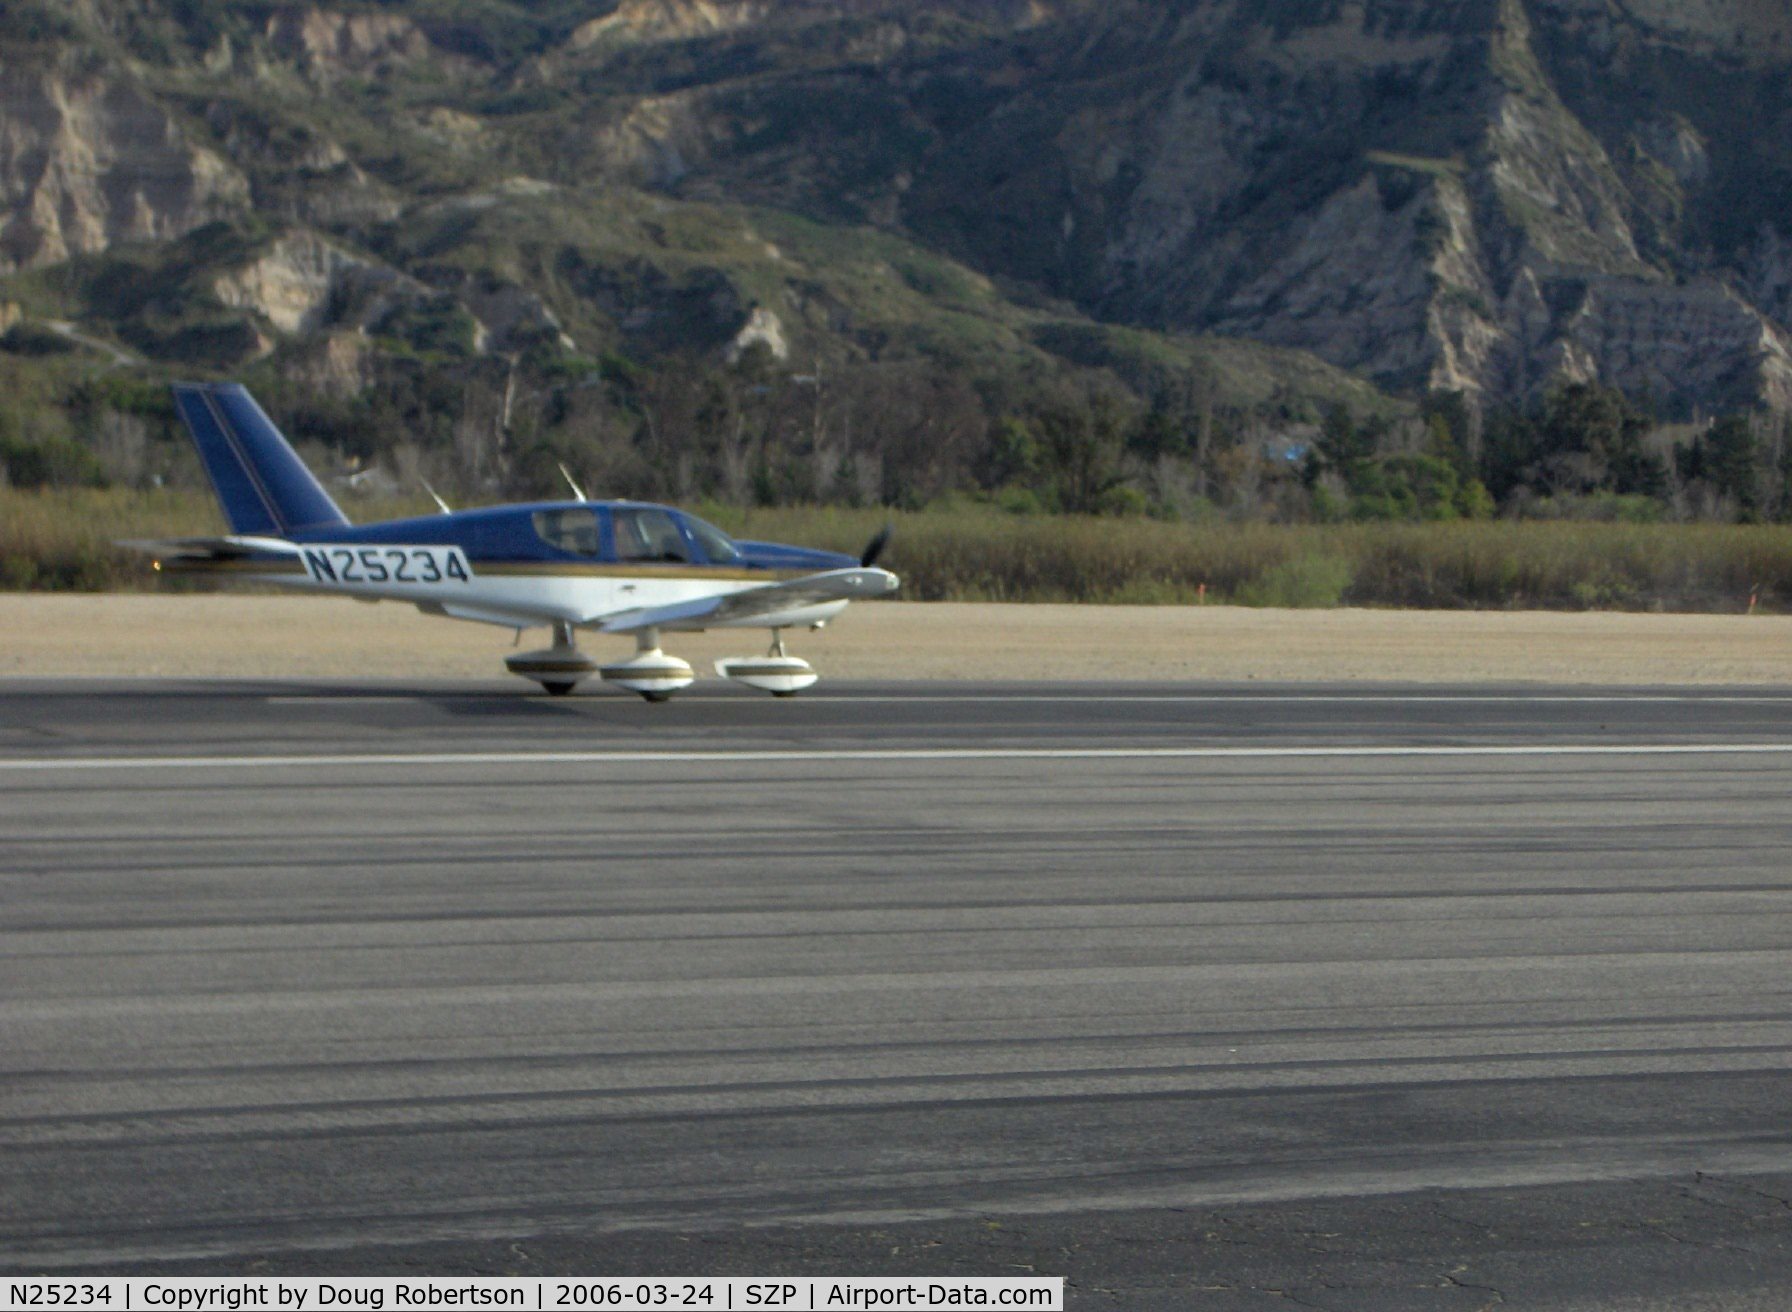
(645, 534)
(571, 529)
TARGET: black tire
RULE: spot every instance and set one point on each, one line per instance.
(558, 689)
(656, 697)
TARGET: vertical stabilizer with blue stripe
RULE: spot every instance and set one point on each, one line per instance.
(262, 484)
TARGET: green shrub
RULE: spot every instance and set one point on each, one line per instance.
(1599, 507)
(49, 462)
(1306, 582)
(1020, 501)
(1125, 501)
(1327, 506)
(34, 339)
(1474, 501)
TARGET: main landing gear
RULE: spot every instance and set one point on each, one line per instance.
(656, 676)
(560, 668)
(650, 672)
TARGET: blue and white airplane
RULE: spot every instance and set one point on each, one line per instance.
(622, 567)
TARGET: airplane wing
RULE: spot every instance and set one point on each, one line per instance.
(233, 547)
(752, 603)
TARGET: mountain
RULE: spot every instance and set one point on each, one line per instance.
(1484, 195)
(1297, 202)
(214, 184)
(1477, 195)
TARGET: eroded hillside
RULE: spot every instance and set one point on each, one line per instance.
(1264, 209)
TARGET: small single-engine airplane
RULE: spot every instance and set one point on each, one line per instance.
(622, 567)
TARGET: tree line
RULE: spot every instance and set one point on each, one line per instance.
(757, 431)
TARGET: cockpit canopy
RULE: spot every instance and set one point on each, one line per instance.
(635, 534)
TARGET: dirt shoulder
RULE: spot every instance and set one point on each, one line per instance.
(223, 636)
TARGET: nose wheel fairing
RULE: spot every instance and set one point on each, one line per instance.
(776, 672)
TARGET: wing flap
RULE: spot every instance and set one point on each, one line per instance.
(751, 603)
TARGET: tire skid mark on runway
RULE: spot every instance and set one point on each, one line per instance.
(559, 1060)
(1315, 970)
(98, 941)
(551, 1059)
(281, 921)
(948, 847)
(325, 1230)
(477, 1112)
(799, 756)
(646, 1072)
(1756, 770)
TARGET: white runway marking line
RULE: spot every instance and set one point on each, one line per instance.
(797, 755)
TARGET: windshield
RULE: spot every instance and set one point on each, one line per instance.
(717, 545)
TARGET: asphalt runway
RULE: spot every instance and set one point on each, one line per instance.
(1212, 997)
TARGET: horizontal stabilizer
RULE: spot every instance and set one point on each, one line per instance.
(235, 547)
(752, 603)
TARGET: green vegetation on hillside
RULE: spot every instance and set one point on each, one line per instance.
(1168, 441)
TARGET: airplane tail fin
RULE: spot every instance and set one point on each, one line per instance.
(261, 483)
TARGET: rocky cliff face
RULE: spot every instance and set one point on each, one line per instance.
(329, 44)
(88, 161)
(667, 20)
(1439, 195)
(303, 283)
(1755, 30)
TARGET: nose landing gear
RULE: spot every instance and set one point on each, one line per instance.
(776, 672)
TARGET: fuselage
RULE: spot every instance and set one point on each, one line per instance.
(531, 563)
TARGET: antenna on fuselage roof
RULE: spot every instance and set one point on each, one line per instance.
(577, 491)
(434, 495)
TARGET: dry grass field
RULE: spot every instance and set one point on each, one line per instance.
(277, 637)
